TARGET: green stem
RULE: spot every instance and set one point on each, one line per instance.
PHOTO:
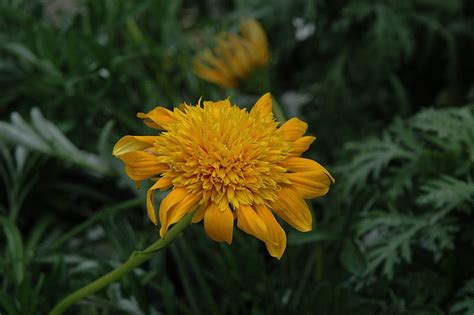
(135, 260)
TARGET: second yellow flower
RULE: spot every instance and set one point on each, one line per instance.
(234, 57)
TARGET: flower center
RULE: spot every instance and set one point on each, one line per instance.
(224, 153)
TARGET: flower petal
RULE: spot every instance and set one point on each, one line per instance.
(179, 210)
(228, 52)
(250, 222)
(302, 145)
(276, 246)
(299, 164)
(253, 31)
(254, 59)
(157, 118)
(310, 184)
(218, 224)
(199, 215)
(173, 198)
(140, 165)
(263, 106)
(150, 202)
(211, 68)
(212, 75)
(292, 208)
(128, 144)
(293, 129)
(216, 62)
(245, 57)
(163, 183)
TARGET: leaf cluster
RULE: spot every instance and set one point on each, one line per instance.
(413, 192)
(383, 85)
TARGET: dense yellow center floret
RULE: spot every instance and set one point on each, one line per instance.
(224, 153)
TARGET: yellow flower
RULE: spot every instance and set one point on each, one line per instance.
(228, 163)
(234, 56)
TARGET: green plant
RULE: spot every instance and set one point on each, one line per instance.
(412, 188)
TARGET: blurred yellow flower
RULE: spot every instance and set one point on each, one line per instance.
(228, 163)
(234, 57)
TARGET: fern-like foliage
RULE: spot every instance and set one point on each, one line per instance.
(447, 193)
(369, 162)
(450, 131)
(415, 183)
(465, 305)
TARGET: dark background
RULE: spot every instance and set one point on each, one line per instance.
(386, 86)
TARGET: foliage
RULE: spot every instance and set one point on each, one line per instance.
(417, 192)
(383, 84)
(43, 136)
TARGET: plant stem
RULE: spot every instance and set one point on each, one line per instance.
(135, 260)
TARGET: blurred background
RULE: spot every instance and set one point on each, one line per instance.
(386, 86)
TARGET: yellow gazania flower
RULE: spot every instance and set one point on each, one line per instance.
(228, 164)
(234, 56)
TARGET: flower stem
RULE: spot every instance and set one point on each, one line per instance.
(135, 259)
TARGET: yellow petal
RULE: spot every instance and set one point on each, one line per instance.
(227, 51)
(132, 143)
(218, 224)
(150, 203)
(179, 210)
(242, 53)
(163, 183)
(218, 104)
(263, 106)
(199, 215)
(212, 75)
(138, 159)
(216, 62)
(173, 198)
(299, 164)
(141, 174)
(247, 51)
(250, 222)
(140, 165)
(293, 129)
(301, 145)
(292, 208)
(310, 184)
(213, 69)
(276, 246)
(157, 118)
(252, 30)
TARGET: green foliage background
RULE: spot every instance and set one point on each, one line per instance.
(387, 86)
